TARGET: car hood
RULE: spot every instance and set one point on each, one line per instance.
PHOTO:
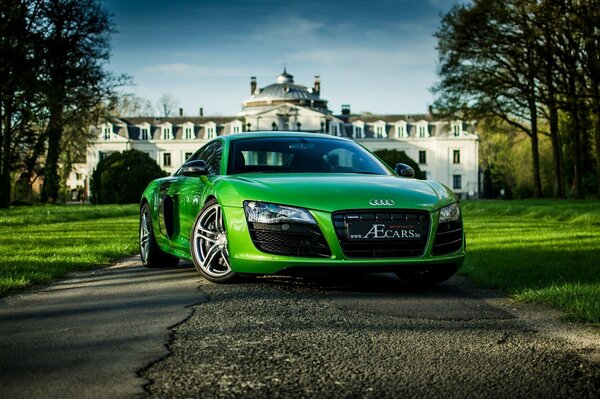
(332, 192)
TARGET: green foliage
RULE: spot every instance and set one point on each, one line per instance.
(121, 177)
(392, 157)
(41, 243)
(539, 251)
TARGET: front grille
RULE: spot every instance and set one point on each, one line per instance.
(381, 249)
(291, 239)
(448, 239)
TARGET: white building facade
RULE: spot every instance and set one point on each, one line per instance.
(446, 151)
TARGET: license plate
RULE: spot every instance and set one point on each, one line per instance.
(371, 231)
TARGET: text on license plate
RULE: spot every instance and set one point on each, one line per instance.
(384, 230)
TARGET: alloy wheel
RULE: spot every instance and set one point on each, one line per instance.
(209, 244)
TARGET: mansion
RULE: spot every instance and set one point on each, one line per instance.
(446, 151)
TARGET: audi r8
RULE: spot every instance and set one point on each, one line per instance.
(283, 202)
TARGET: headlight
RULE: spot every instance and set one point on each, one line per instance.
(264, 212)
(450, 213)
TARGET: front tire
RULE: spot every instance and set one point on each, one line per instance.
(152, 256)
(210, 252)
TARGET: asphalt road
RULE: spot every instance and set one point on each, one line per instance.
(104, 335)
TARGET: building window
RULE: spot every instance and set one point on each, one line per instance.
(106, 131)
(188, 133)
(456, 129)
(236, 129)
(401, 131)
(456, 182)
(456, 156)
(422, 131)
(379, 132)
(210, 132)
(358, 132)
(144, 133)
(166, 133)
(77, 176)
(422, 157)
(167, 159)
(334, 130)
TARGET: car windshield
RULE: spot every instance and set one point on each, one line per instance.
(301, 155)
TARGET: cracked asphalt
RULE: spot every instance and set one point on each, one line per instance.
(365, 337)
(126, 332)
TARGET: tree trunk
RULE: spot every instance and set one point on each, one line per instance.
(5, 120)
(597, 139)
(557, 155)
(576, 134)
(51, 177)
(535, 151)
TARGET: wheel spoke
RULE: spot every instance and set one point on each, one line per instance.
(201, 229)
(225, 256)
(210, 256)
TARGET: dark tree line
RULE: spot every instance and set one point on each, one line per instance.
(53, 85)
(535, 65)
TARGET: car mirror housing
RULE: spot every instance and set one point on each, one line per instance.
(403, 170)
(194, 168)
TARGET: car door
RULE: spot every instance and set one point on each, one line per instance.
(189, 192)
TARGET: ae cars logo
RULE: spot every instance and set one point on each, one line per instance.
(381, 202)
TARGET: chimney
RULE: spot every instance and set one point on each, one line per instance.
(201, 111)
(317, 89)
(345, 109)
(252, 84)
(180, 111)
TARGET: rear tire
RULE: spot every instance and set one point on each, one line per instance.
(428, 277)
(152, 256)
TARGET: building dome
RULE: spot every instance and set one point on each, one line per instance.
(285, 91)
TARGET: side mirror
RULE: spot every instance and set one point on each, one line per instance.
(194, 168)
(403, 170)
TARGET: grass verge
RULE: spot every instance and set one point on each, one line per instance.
(41, 243)
(545, 252)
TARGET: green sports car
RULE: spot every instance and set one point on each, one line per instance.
(283, 202)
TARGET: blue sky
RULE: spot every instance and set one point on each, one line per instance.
(378, 56)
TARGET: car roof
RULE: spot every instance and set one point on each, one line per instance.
(265, 134)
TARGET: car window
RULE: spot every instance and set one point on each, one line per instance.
(300, 155)
(212, 155)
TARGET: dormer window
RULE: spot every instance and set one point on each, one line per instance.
(144, 133)
(358, 131)
(401, 131)
(211, 130)
(456, 128)
(380, 132)
(166, 132)
(236, 126)
(422, 130)
(188, 132)
(107, 131)
(334, 130)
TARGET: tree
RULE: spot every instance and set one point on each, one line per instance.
(167, 104)
(18, 25)
(74, 82)
(122, 177)
(488, 66)
(392, 157)
(128, 104)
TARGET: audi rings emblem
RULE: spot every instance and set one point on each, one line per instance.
(381, 202)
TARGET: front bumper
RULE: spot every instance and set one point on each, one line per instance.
(244, 257)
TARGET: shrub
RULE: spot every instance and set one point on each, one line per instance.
(121, 177)
(392, 157)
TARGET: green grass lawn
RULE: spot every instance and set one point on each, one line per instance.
(539, 251)
(545, 252)
(41, 243)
